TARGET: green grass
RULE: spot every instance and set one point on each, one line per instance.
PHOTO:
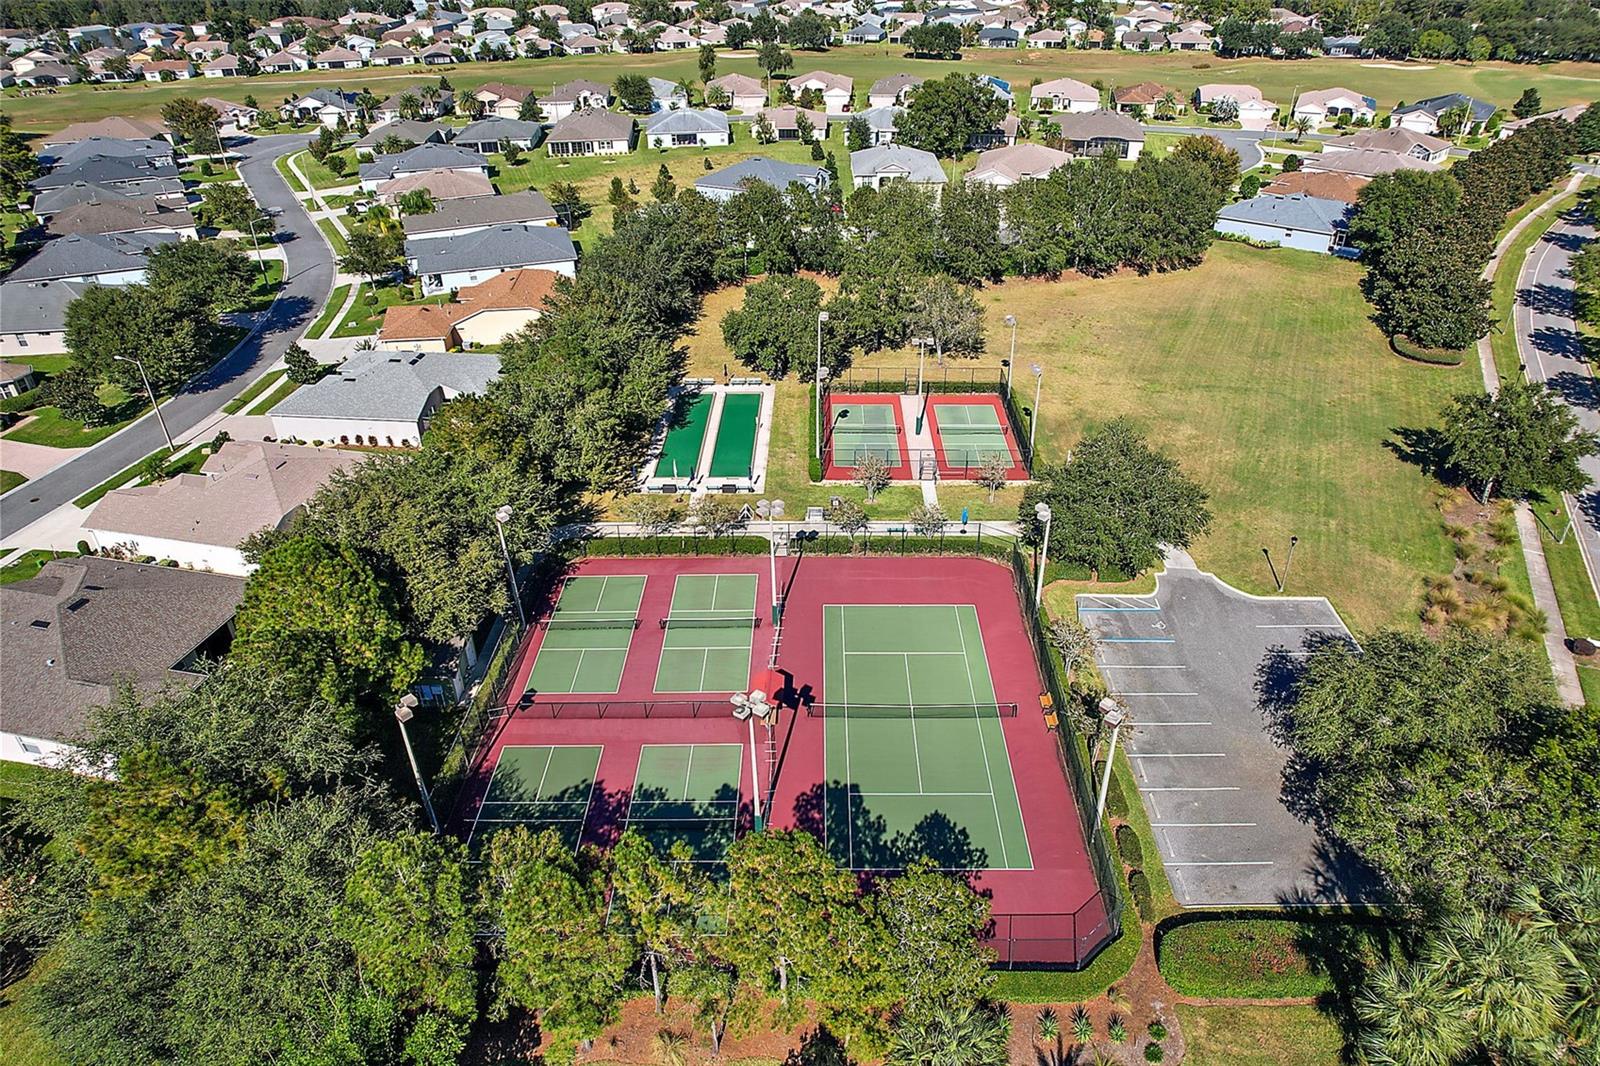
(321, 177)
(288, 175)
(52, 429)
(260, 385)
(17, 777)
(21, 1033)
(266, 287)
(335, 302)
(1057, 986)
(27, 566)
(365, 319)
(1266, 958)
(283, 389)
(219, 172)
(10, 479)
(188, 462)
(335, 238)
(1503, 341)
(43, 364)
(1259, 1036)
(1580, 611)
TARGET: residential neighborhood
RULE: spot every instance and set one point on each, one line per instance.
(672, 532)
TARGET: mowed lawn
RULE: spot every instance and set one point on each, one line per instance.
(1259, 1036)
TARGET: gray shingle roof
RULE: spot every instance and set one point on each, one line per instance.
(1092, 125)
(1310, 214)
(917, 165)
(37, 306)
(391, 385)
(83, 192)
(499, 246)
(418, 131)
(526, 206)
(760, 168)
(422, 157)
(102, 170)
(84, 625)
(495, 130)
(86, 255)
(696, 122)
(1438, 105)
(111, 147)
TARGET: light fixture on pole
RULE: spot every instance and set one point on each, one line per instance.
(156, 407)
(255, 241)
(1111, 714)
(1041, 511)
(747, 707)
(1011, 320)
(823, 374)
(772, 510)
(403, 713)
(502, 515)
(1038, 390)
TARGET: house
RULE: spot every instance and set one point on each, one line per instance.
(454, 262)
(167, 70)
(128, 175)
(1011, 164)
(725, 184)
(999, 37)
(1255, 113)
(836, 90)
(893, 91)
(438, 54)
(226, 65)
(1326, 106)
(1424, 115)
(745, 94)
(168, 193)
(410, 131)
(881, 123)
(82, 628)
(667, 95)
(1048, 39)
(1190, 40)
(103, 258)
(122, 215)
(459, 217)
(1394, 139)
(33, 316)
(1304, 222)
(487, 135)
(575, 96)
(1324, 186)
(417, 101)
(501, 100)
(330, 107)
(1143, 40)
(481, 314)
(16, 379)
(438, 184)
(591, 132)
(1002, 133)
(154, 152)
(1064, 94)
(235, 118)
(866, 33)
(1363, 162)
(337, 58)
(381, 397)
(1099, 132)
(423, 328)
(785, 122)
(116, 127)
(391, 54)
(424, 157)
(1140, 100)
(876, 167)
(285, 61)
(1565, 114)
(687, 129)
(1344, 47)
(199, 520)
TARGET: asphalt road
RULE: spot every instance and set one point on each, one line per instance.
(1551, 348)
(1246, 142)
(308, 278)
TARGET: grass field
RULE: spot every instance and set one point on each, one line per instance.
(21, 1035)
(366, 318)
(10, 479)
(294, 183)
(28, 565)
(325, 319)
(335, 238)
(284, 388)
(1503, 341)
(187, 463)
(261, 384)
(1559, 84)
(1264, 958)
(1259, 1036)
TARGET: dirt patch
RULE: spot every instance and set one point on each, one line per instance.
(1398, 66)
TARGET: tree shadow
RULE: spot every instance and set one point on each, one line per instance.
(1578, 390)
(1559, 342)
(1544, 298)
(819, 1047)
(1424, 448)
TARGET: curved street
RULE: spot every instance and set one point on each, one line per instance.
(308, 279)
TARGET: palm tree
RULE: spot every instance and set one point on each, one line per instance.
(1301, 126)
(1565, 908)
(1167, 106)
(410, 106)
(1049, 1025)
(1082, 1027)
(953, 1034)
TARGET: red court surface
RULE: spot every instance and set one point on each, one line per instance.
(831, 471)
(952, 465)
(1049, 914)
(950, 438)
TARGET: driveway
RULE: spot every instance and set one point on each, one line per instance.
(1551, 350)
(1185, 662)
(1246, 142)
(308, 278)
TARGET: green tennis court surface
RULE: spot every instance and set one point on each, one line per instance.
(541, 787)
(586, 638)
(861, 429)
(680, 452)
(970, 433)
(916, 757)
(709, 629)
(687, 793)
(735, 451)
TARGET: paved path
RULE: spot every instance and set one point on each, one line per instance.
(308, 278)
(1544, 591)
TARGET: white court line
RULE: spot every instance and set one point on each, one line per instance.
(923, 793)
(972, 693)
(1263, 862)
(1178, 755)
(1201, 825)
(916, 751)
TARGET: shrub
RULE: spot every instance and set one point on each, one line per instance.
(1157, 1030)
(1117, 1030)
(1266, 957)
(1128, 845)
(1406, 348)
(1154, 1053)
(1139, 889)
(1116, 800)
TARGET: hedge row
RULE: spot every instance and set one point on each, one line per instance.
(673, 545)
(1409, 349)
(1268, 957)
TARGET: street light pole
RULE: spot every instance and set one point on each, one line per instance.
(1111, 716)
(156, 407)
(1038, 390)
(403, 712)
(502, 515)
(822, 316)
(1011, 320)
(1042, 511)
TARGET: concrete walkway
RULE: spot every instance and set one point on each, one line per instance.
(1544, 589)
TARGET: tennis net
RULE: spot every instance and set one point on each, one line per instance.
(580, 622)
(911, 711)
(742, 621)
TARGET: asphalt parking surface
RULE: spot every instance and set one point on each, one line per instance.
(1185, 662)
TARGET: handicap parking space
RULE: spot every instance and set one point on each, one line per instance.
(1185, 661)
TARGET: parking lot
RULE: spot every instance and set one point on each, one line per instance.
(1184, 661)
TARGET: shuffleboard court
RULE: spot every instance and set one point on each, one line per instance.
(709, 629)
(680, 452)
(586, 638)
(861, 429)
(688, 794)
(969, 433)
(914, 747)
(734, 453)
(540, 786)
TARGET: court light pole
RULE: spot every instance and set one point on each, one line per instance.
(748, 707)
(1111, 715)
(1038, 390)
(1011, 320)
(154, 406)
(1041, 510)
(823, 374)
(772, 510)
(403, 713)
(822, 316)
(502, 515)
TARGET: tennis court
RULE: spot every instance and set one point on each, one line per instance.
(916, 755)
(969, 433)
(587, 636)
(709, 628)
(689, 794)
(861, 429)
(680, 452)
(734, 453)
(541, 786)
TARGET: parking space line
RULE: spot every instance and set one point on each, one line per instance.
(1178, 755)
(1202, 825)
(1113, 610)
(1141, 725)
(1302, 625)
(1144, 666)
(1137, 640)
(1193, 788)
(1262, 862)
(1158, 693)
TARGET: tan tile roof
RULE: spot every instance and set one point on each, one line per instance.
(1346, 187)
(427, 322)
(528, 287)
(1146, 92)
(440, 184)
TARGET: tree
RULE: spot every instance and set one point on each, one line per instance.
(944, 116)
(953, 1034)
(529, 110)
(933, 923)
(1301, 125)
(657, 901)
(1225, 109)
(216, 275)
(927, 520)
(940, 40)
(762, 130)
(558, 956)
(871, 474)
(316, 613)
(75, 392)
(1221, 163)
(848, 515)
(1075, 641)
(372, 253)
(302, 367)
(1116, 502)
(193, 122)
(857, 134)
(716, 516)
(807, 30)
(568, 203)
(633, 92)
(511, 151)
(707, 58)
(949, 315)
(162, 328)
(418, 202)
(18, 165)
(663, 188)
(232, 207)
(774, 330)
(654, 514)
(1522, 440)
(1586, 130)
(773, 59)
(1528, 104)
(994, 470)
